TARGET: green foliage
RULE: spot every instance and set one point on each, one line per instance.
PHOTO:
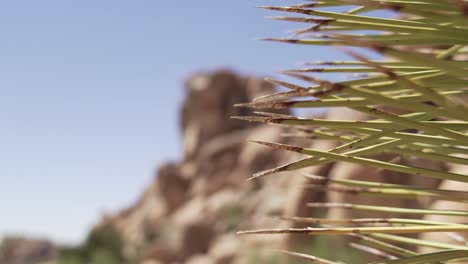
(232, 217)
(102, 246)
(416, 102)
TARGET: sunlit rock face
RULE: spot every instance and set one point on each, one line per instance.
(191, 210)
(208, 106)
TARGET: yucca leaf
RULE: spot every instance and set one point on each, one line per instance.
(369, 162)
(372, 250)
(360, 221)
(309, 258)
(417, 242)
(386, 247)
(358, 230)
(388, 209)
(441, 194)
(384, 192)
(431, 257)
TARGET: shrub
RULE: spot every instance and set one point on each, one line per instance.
(102, 246)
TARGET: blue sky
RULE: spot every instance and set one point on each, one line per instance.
(90, 92)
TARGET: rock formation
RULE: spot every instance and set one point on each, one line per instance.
(191, 210)
(26, 251)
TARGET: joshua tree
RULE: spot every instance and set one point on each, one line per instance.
(415, 100)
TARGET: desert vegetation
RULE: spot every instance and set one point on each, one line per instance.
(102, 246)
(411, 92)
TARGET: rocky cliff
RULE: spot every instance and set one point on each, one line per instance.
(190, 212)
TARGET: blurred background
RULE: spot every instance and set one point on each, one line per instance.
(92, 104)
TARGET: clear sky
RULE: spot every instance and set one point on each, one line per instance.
(90, 91)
